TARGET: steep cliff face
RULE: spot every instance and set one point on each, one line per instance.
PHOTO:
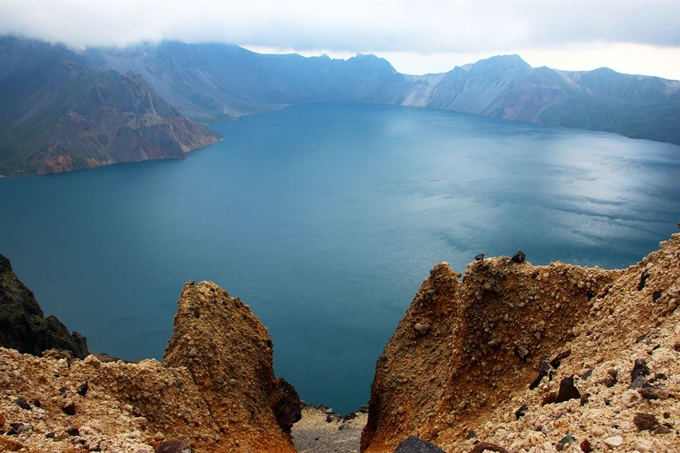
(22, 325)
(114, 119)
(58, 115)
(215, 390)
(460, 365)
(507, 87)
(212, 81)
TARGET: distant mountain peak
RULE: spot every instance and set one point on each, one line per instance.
(501, 66)
(370, 59)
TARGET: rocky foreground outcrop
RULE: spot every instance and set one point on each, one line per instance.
(22, 322)
(215, 391)
(523, 358)
(515, 358)
(228, 353)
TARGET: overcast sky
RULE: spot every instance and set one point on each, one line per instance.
(416, 36)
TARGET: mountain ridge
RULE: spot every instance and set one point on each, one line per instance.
(503, 86)
(55, 114)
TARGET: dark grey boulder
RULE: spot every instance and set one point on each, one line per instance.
(175, 446)
(519, 257)
(568, 390)
(414, 444)
(640, 369)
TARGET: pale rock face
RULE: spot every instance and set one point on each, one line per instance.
(644, 445)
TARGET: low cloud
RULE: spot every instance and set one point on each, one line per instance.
(425, 26)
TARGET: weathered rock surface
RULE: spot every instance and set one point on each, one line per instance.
(228, 353)
(58, 115)
(460, 373)
(22, 325)
(587, 329)
(215, 390)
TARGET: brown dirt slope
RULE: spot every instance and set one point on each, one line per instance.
(463, 357)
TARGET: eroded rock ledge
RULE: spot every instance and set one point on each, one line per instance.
(458, 370)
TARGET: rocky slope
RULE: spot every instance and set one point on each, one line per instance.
(210, 81)
(22, 322)
(535, 359)
(215, 391)
(55, 104)
(228, 353)
(58, 115)
(515, 358)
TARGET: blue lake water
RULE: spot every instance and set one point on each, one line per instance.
(326, 218)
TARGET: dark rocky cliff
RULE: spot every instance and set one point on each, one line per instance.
(23, 325)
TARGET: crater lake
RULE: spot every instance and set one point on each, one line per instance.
(325, 219)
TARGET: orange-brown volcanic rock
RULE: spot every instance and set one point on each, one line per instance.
(463, 357)
(228, 352)
(124, 406)
(215, 388)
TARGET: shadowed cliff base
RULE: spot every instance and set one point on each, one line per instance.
(535, 359)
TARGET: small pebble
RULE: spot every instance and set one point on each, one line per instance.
(614, 441)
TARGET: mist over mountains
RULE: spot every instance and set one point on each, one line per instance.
(59, 105)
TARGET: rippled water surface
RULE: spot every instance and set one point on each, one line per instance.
(326, 218)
